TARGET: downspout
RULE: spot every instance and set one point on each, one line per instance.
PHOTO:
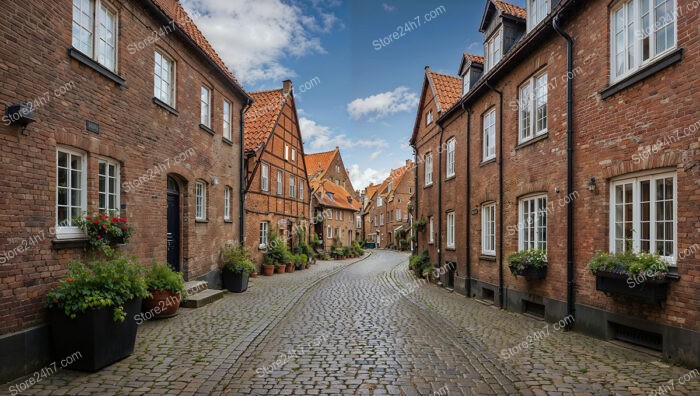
(439, 183)
(415, 195)
(242, 176)
(468, 280)
(570, 284)
(500, 193)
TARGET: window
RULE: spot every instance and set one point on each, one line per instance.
(227, 119)
(489, 135)
(493, 49)
(265, 178)
(537, 10)
(264, 231)
(451, 157)
(358, 221)
(488, 229)
(337, 170)
(466, 84)
(71, 192)
(375, 220)
(329, 232)
(428, 169)
(227, 203)
(643, 215)
(451, 230)
(294, 154)
(533, 223)
(432, 231)
(398, 214)
(341, 215)
(381, 219)
(95, 26)
(429, 118)
(164, 80)
(292, 187)
(200, 201)
(391, 184)
(280, 188)
(301, 190)
(205, 101)
(533, 108)
(641, 31)
(337, 215)
(108, 186)
(286, 152)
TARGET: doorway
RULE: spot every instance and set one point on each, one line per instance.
(173, 232)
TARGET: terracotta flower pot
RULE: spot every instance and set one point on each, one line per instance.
(279, 269)
(290, 268)
(268, 269)
(163, 304)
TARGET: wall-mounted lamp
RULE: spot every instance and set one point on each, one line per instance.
(214, 181)
(591, 184)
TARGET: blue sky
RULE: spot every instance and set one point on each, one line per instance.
(358, 97)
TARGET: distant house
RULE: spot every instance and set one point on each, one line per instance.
(386, 215)
(277, 188)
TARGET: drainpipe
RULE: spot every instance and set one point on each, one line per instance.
(439, 183)
(570, 284)
(415, 195)
(242, 176)
(500, 193)
(468, 286)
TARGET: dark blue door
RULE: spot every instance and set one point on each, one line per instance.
(173, 236)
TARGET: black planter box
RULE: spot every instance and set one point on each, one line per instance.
(100, 340)
(234, 282)
(111, 240)
(652, 290)
(531, 273)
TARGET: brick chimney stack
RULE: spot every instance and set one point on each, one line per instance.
(287, 86)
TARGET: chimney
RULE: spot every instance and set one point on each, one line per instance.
(286, 86)
(408, 162)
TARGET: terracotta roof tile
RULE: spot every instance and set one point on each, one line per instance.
(510, 9)
(319, 162)
(474, 58)
(447, 88)
(342, 199)
(260, 119)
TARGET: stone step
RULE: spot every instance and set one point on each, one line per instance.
(202, 298)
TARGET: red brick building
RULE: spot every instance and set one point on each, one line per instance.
(148, 127)
(277, 188)
(571, 150)
(386, 210)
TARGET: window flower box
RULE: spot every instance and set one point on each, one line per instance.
(641, 276)
(652, 290)
(530, 264)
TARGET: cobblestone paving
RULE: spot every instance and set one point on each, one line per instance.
(366, 328)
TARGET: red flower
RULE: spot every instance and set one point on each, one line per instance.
(114, 220)
(99, 237)
(123, 228)
(89, 218)
(104, 226)
(69, 280)
(96, 221)
(55, 301)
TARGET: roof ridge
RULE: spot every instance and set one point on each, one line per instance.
(267, 90)
(443, 74)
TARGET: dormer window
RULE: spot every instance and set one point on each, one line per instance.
(429, 118)
(465, 83)
(493, 49)
(537, 10)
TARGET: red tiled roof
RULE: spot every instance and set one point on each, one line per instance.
(510, 9)
(474, 58)
(448, 89)
(261, 117)
(175, 12)
(342, 199)
(319, 161)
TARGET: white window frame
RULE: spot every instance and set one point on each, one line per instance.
(634, 31)
(636, 221)
(429, 117)
(200, 206)
(341, 214)
(450, 230)
(493, 50)
(466, 83)
(68, 230)
(227, 203)
(533, 105)
(292, 186)
(398, 214)
(537, 11)
(280, 183)
(450, 163)
(329, 232)
(205, 106)
(265, 177)
(286, 152)
(264, 231)
(380, 202)
(431, 235)
(358, 221)
(108, 191)
(227, 119)
(536, 239)
(168, 64)
(428, 169)
(489, 135)
(97, 39)
(381, 219)
(301, 190)
(488, 229)
(294, 154)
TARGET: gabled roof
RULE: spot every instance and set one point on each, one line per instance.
(474, 58)
(176, 13)
(446, 90)
(318, 163)
(261, 117)
(468, 60)
(507, 9)
(395, 178)
(332, 195)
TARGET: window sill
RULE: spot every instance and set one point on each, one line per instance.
(228, 221)
(488, 161)
(428, 185)
(200, 221)
(166, 106)
(487, 258)
(227, 141)
(73, 243)
(451, 248)
(642, 74)
(89, 62)
(533, 141)
(207, 129)
(448, 178)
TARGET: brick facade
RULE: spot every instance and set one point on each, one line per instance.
(383, 202)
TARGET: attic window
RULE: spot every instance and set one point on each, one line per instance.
(429, 118)
(537, 10)
(330, 196)
(493, 49)
(465, 83)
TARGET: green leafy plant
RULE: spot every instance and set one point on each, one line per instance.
(275, 250)
(419, 224)
(357, 249)
(99, 284)
(103, 229)
(237, 260)
(527, 259)
(420, 264)
(627, 263)
(159, 276)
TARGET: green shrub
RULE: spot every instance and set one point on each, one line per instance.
(627, 263)
(525, 259)
(99, 284)
(237, 260)
(420, 265)
(159, 276)
(275, 250)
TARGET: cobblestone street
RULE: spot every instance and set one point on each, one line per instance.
(364, 327)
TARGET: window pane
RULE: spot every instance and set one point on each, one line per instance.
(106, 38)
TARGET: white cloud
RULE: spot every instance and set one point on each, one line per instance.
(362, 177)
(388, 7)
(384, 104)
(319, 137)
(253, 37)
(375, 155)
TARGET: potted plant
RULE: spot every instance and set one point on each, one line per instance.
(166, 288)
(299, 261)
(237, 269)
(531, 264)
(274, 254)
(420, 265)
(93, 310)
(642, 276)
(288, 261)
(105, 230)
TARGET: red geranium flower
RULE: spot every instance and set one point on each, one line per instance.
(69, 280)
(104, 226)
(55, 301)
(99, 237)
(123, 228)
(96, 221)
(89, 218)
